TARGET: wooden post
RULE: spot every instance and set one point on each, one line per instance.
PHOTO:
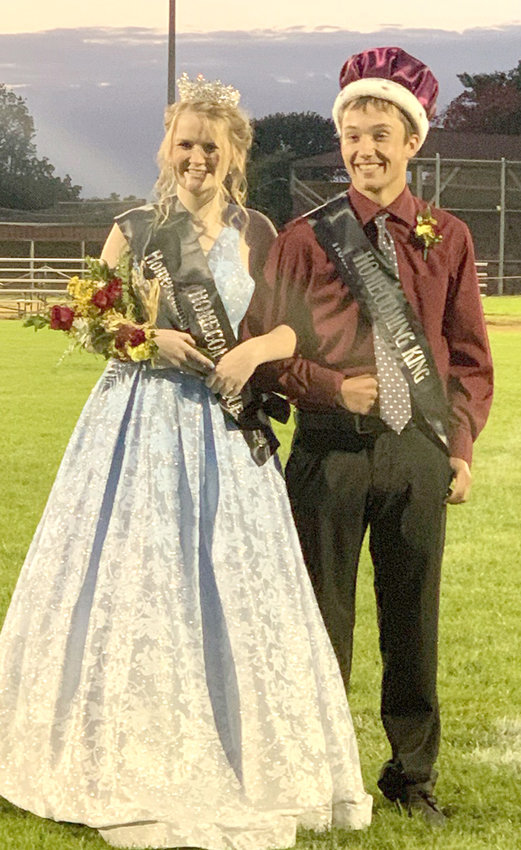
(31, 262)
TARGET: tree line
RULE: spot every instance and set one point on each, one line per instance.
(26, 181)
(490, 103)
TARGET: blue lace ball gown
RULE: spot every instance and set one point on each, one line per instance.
(165, 675)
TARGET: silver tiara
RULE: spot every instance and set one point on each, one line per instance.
(212, 91)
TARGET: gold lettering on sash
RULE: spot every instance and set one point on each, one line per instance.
(396, 324)
(415, 359)
(155, 262)
(208, 322)
(213, 337)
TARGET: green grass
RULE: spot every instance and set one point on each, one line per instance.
(503, 305)
(480, 674)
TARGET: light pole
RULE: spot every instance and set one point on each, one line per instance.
(171, 52)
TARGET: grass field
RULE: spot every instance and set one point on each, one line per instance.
(505, 306)
(480, 669)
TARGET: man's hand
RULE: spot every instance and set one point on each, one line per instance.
(180, 349)
(359, 394)
(461, 483)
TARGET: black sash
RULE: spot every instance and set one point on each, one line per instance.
(171, 253)
(375, 286)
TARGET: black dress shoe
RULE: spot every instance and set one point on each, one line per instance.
(392, 781)
(413, 798)
(419, 802)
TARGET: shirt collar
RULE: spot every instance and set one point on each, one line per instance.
(403, 207)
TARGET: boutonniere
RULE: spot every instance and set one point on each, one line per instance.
(425, 231)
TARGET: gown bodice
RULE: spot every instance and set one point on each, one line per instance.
(233, 282)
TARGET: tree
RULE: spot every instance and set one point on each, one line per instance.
(279, 139)
(26, 182)
(490, 104)
(299, 133)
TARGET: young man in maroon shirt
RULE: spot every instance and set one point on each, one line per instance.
(352, 466)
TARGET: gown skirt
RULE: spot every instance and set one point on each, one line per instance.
(165, 675)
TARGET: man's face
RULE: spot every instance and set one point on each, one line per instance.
(375, 151)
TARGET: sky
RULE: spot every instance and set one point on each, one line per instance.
(209, 15)
(94, 75)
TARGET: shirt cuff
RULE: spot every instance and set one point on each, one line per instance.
(320, 387)
(461, 445)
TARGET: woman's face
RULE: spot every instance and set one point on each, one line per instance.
(199, 156)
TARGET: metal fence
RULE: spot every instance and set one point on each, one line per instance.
(26, 283)
(486, 194)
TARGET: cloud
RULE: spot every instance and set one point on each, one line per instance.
(97, 95)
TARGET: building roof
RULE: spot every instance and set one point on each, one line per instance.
(69, 221)
(18, 231)
(451, 144)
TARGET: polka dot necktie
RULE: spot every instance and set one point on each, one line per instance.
(393, 391)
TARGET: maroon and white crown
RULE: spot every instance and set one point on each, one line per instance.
(391, 74)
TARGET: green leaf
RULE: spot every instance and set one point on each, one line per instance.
(37, 322)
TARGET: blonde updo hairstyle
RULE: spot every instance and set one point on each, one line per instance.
(232, 132)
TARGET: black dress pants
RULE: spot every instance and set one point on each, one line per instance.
(340, 483)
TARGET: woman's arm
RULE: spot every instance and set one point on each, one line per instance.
(176, 347)
(239, 364)
(114, 247)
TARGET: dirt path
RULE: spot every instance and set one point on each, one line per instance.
(503, 323)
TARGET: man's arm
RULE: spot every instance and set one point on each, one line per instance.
(281, 298)
(470, 381)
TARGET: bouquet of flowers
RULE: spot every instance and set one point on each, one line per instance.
(105, 315)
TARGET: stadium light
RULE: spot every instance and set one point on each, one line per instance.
(171, 52)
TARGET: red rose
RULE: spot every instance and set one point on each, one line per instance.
(106, 297)
(61, 318)
(114, 289)
(128, 334)
(101, 300)
(136, 337)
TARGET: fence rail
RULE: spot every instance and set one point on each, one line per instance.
(39, 271)
(30, 291)
(27, 283)
(19, 303)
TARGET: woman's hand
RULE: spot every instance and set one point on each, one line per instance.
(180, 350)
(236, 367)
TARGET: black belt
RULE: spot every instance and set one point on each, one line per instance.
(342, 420)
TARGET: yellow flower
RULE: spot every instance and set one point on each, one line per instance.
(425, 231)
(82, 291)
(145, 351)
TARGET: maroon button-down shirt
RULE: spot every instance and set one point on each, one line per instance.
(302, 289)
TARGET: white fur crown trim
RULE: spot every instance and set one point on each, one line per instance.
(386, 90)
